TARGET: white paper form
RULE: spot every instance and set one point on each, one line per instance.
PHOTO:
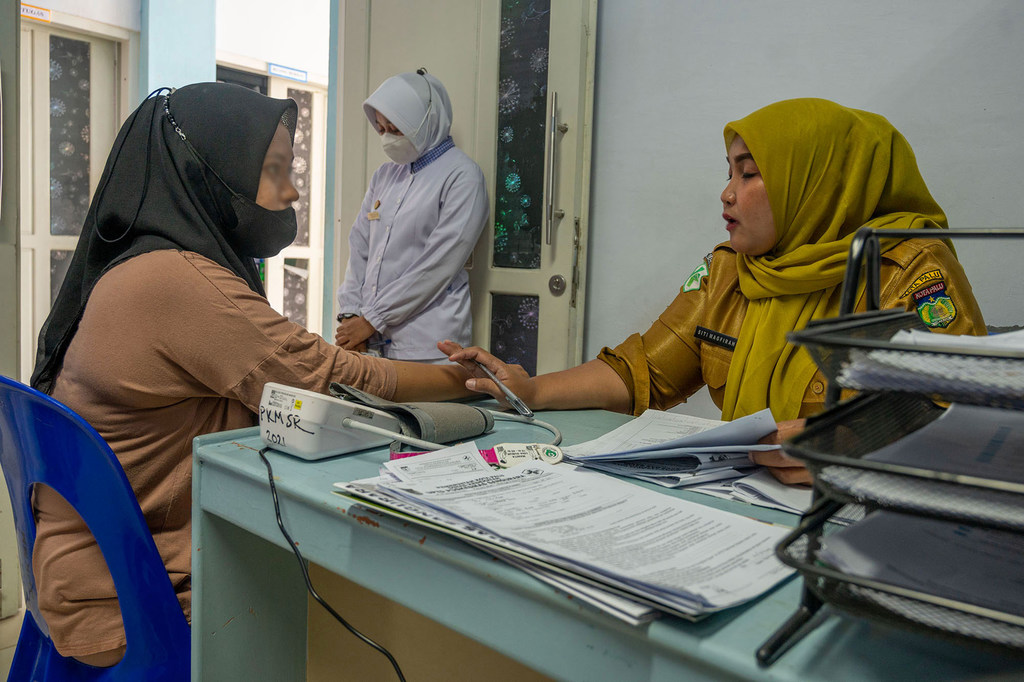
(616, 604)
(656, 434)
(950, 370)
(459, 462)
(662, 546)
(761, 487)
(1012, 341)
(947, 559)
(987, 442)
(624, 609)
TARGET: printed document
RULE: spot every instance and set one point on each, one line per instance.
(955, 370)
(946, 559)
(680, 555)
(1009, 341)
(762, 489)
(657, 434)
(987, 442)
(670, 475)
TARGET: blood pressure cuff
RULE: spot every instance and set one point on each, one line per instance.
(433, 422)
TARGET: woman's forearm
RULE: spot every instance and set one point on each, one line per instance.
(418, 381)
(591, 385)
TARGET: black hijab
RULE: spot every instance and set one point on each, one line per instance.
(156, 194)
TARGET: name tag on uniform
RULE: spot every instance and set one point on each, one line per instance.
(373, 215)
(715, 338)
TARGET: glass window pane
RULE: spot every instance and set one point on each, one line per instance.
(522, 105)
(301, 164)
(514, 329)
(253, 81)
(69, 135)
(60, 260)
(296, 289)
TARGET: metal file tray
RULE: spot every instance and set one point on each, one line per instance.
(835, 443)
(832, 341)
(841, 345)
(890, 604)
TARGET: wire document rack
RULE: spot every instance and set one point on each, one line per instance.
(892, 390)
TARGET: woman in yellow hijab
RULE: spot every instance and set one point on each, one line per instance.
(804, 175)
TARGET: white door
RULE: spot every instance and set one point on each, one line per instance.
(503, 64)
(70, 110)
(294, 278)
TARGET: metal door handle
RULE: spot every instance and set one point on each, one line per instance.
(550, 213)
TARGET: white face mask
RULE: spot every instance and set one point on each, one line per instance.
(399, 148)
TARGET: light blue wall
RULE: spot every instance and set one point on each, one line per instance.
(179, 43)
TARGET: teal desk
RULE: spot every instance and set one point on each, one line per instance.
(249, 599)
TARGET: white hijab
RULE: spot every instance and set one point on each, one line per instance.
(417, 104)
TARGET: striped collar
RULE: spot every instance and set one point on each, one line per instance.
(432, 155)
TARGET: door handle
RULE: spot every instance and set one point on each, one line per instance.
(550, 213)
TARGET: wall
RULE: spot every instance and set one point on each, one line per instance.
(671, 74)
(178, 43)
(260, 30)
(121, 13)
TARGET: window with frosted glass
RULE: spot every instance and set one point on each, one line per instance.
(296, 289)
(69, 135)
(60, 260)
(522, 104)
(301, 164)
(514, 329)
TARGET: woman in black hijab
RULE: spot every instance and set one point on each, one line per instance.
(162, 332)
(159, 190)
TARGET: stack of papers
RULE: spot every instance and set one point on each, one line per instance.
(762, 489)
(946, 559)
(970, 440)
(986, 442)
(675, 450)
(632, 551)
(952, 366)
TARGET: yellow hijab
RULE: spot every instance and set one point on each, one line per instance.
(828, 170)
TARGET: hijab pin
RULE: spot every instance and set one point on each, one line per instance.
(167, 110)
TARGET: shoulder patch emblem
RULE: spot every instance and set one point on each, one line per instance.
(922, 280)
(695, 278)
(934, 306)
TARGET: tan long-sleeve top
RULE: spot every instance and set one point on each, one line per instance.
(170, 346)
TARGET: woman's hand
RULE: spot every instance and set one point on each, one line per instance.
(783, 467)
(353, 332)
(513, 376)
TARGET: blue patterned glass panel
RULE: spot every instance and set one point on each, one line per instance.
(522, 103)
(514, 329)
(60, 260)
(301, 163)
(69, 135)
(296, 289)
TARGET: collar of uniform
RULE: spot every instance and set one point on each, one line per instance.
(432, 155)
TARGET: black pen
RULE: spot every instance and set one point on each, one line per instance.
(513, 399)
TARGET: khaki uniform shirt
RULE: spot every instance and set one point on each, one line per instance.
(171, 346)
(691, 343)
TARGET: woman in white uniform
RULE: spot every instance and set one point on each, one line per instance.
(406, 285)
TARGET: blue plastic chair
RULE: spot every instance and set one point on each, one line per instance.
(42, 441)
